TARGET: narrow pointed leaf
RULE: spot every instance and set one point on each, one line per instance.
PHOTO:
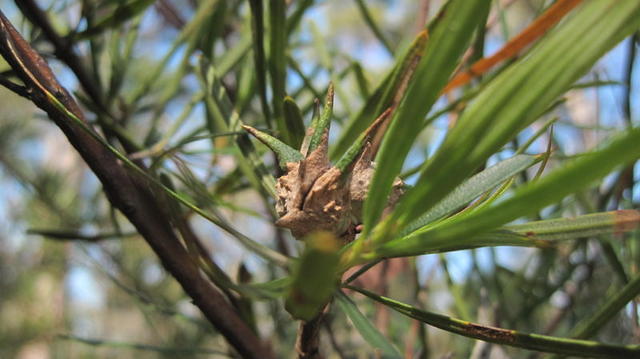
(278, 63)
(472, 188)
(383, 95)
(541, 234)
(276, 288)
(517, 97)
(589, 326)
(589, 225)
(294, 20)
(539, 27)
(192, 30)
(234, 56)
(16, 51)
(361, 79)
(368, 331)
(572, 177)
(294, 122)
(119, 15)
(259, 56)
(223, 117)
(448, 41)
(366, 14)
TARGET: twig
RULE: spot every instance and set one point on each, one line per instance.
(14, 87)
(308, 340)
(71, 235)
(139, 346)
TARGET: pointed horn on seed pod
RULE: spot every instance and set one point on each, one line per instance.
(284, 152)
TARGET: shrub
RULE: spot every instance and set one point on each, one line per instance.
(166, 104)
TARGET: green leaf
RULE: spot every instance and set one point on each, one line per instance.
(540, 234)
(590, 325)
(294, 122)
(314, 276)
(284, 153)
(118, 16)
(536, 135)
(543, 343)
(278, 64)
(528, 199)
(369, 332)
(366, 14)
(306, 81)
(294, 20)
(448, 41)
(259, 57)
(221, 116)
(382, 97)
(214, 29)
(233, 56)
(189, 34)
(252, 245)
(274, 289)
(513, 99)
(361, 79)
(589, 225)
(472, 188)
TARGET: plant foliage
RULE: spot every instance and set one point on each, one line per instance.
(207, 124)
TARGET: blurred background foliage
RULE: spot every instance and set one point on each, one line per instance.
(76, 281)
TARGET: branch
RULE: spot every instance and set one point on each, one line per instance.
(308, 340)
(13, 87)
(130, 194)
(143, 347)
(74, 235)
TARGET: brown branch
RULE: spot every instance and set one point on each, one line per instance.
(308, 340)
(130, 194)
(74, 235)
(14, 87)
